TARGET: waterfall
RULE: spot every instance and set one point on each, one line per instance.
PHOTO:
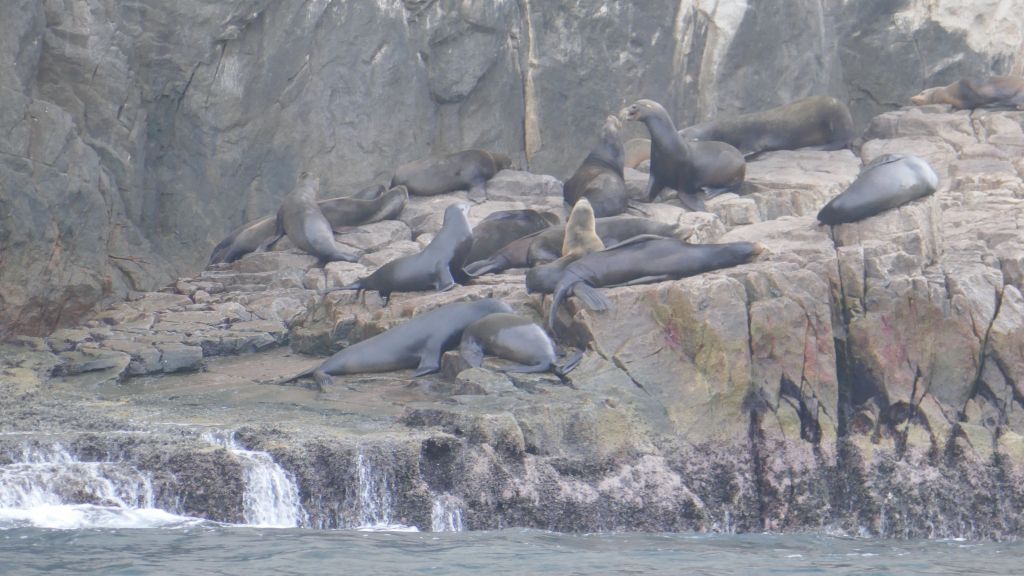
(48, 487)
(375, 511)
(271, 496)
(446, 514)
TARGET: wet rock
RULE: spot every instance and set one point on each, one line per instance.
(177, 357)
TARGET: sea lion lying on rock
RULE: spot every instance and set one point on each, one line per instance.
(969, 93)
(466, 170)
(364, 207)
(643, 260)
(500, 228)
(686, 167)
(418, 343)
(580, 239)
(516, 339)
(819, 122)
(886, 182)
(301, 219)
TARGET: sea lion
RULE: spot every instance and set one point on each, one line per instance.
(580, 239)
(819, 122)
(418, 343)
(886, 182)
(969, 93)
(301, 219)
(466, 170)
(638, 151)
(516, 339)
(686, 167)
(365, 206)
(643, 260)
(502, 227)
(599, 179)
(547, 245)
(432, 268)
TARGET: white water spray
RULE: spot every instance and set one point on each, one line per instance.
(446, 514)
(47, 487)
(271, 496)
(375, 509)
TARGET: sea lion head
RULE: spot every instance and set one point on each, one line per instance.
(456, 210)
(928, 96)
(640, 110)
(501, 161)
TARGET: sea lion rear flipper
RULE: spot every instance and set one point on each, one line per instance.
(591, 297)
(633, 206)
(569, 365)
(644, 280)
(710, 193)
(477, 193)
(430, 359)
(479, 268)
(516, 368)
(634, 240)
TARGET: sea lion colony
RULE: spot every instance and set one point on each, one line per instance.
(594, 249)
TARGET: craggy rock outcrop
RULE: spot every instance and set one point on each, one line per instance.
(137, 135)
(864, 377)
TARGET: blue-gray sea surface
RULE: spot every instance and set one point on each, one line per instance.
(214, 549)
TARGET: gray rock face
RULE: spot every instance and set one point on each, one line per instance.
(137, 135)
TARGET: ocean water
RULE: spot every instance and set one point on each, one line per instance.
(204, 548)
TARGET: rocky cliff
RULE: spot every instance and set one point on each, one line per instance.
(864, 378)
(136, 135)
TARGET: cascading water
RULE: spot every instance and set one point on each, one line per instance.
(271, 496)
(47, 487)
(375, 509)
(446, 514)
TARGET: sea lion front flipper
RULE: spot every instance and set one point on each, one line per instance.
(477, 193)
(445, 280)
(591, 297)
(569, 365)
(430, 358)
(692, 202)
(653, 188)
(479, 268)
(323, 380)
(471, 352)
(644, 280)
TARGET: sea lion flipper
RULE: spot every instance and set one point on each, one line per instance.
(517, 368)
(654, 187)
(692, 202)
(471, 352)
(477, 193)
(569, 365)
(445, 280)
(591, 297)
(323, 380)
(479, 268)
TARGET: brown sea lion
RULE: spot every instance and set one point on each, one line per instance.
(819, 122)
(370, 205)
(301, 219)
(599, 179)
(643, 260)
(502, 227)
(580, 239)
(418, 343)
(969, 93)
(431, 269)
(638, 151)
(686, 167)
(888, 181)
(516, 339)
(547, 245)
(466, 170)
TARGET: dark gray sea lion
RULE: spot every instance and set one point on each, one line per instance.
(500, 228)
(418, 343)
(431, 269)
(969, 93)
(887, 182)
(365, 206)
(599, 179)
(512, 255)
(466, 170)
(513, 338)
(820, 122)
(301, 219)
(580, 239)
(686, 167)
(547, 245)
(643, 260)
